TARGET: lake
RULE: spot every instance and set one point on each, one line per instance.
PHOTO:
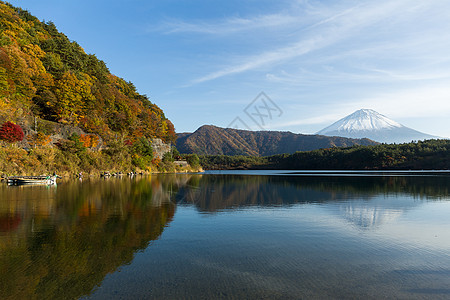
(229, 235)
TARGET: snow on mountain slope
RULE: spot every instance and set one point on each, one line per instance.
(367, 123)
(363, 119)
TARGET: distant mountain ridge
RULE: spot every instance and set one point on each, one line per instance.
(214, 140)
(367, 123)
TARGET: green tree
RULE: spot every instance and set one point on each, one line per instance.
(175, 153)
(167, 157)
(193, 160)
(143, 147)
(73, 144)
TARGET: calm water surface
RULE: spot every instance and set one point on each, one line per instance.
(229, 235)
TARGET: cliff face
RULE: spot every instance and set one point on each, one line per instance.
(54, 133)
(214, 140)
(160, 148)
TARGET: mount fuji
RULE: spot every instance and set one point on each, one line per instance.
(367, 123)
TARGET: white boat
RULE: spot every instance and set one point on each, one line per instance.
(35, 180)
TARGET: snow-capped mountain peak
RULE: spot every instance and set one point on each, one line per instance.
(367, 123)
(363, 119)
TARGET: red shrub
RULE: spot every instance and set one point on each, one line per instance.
(11, 132)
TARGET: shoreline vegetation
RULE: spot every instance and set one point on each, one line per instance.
(72, 158)
(420, 155)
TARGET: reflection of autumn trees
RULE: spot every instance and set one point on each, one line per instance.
(216, 192)
(60, 242)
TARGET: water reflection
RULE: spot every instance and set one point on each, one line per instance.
(366, 202)
(60, 242)
(267, 237)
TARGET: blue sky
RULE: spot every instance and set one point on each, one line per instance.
(204, 62)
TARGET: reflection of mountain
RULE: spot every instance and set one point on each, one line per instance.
(61, 242)
(374, 213)
(366, 202)
(217, 192)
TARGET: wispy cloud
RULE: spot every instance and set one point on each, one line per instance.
(324, 33)
(266, 58)
(393, 75)
(362, 74)
(227, 26)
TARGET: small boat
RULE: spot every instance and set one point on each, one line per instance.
(35, 180)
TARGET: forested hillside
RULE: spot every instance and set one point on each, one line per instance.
(46, 75)
(212, 140)
(422, 155)
(61, 110)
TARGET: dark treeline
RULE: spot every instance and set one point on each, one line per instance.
(426, 155)
(225, 162)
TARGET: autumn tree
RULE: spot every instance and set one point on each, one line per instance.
(73, 94)
(11, 132)
(43, 73)
(39, 139)
(89, 140)
(171, 136)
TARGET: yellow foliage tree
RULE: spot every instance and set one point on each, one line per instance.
(73, 96)
(38, 139)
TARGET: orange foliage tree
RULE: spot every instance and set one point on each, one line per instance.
(89, 140)
(39, 139)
